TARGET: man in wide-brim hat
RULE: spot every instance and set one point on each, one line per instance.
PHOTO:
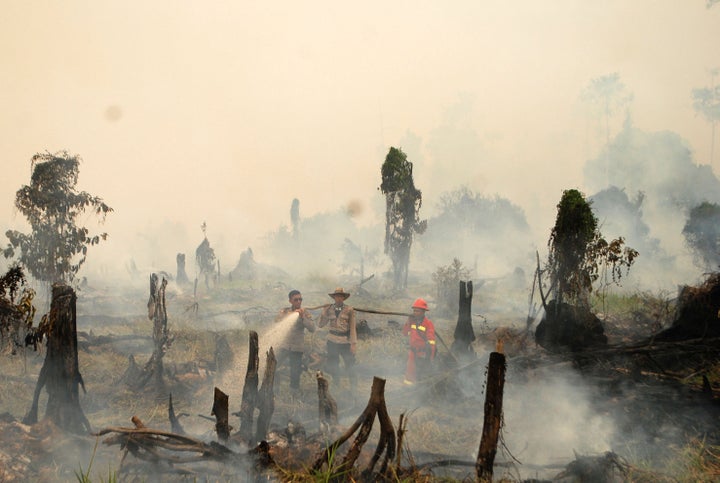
(339, 291)
(342, 336)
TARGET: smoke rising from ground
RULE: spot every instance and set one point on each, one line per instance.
(185, 113)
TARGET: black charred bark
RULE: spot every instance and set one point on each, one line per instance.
(175, 425)
(250, 389)
(222, 414)
(266, 397)
(387, 442)
(60, 374)
(493, 417)
(464, 334)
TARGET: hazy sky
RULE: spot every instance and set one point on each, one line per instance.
(186, 111)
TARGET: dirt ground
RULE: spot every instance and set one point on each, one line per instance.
(642, 406)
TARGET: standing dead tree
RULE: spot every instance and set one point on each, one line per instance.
(363, 425)
(252, 398)
(464, 334)
(249, 395)
(221, 412)
(157, 312)
(60, 374)
(266, 397)
(181, 278)
(493, 417)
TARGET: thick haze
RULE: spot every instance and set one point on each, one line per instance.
(223, 112)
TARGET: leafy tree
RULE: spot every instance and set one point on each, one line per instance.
(402, 209)
(579, 254)
(702, 235)
(57, 247)
(706, 101)
(205, 257)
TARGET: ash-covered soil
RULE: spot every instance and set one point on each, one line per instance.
(631, 399)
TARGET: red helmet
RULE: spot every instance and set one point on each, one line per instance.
(420, 304)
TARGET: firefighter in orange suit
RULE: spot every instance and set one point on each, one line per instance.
(421, 332)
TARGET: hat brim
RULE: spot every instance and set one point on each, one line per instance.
(345, 295)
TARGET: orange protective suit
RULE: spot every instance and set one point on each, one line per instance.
(422, 348)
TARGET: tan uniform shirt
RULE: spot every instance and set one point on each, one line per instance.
(295, 340)
(342, 329)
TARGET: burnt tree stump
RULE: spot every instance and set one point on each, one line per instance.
(266, 397)
(60, 374)
(222, 414)
(387, 442)
(250, 389)
(493, 417)
(175, 425)
(157, 312)
(327, 406)
(464, 334)
(224, 356)
(181, 277)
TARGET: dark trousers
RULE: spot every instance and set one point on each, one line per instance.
(294, 359)
(332, 364)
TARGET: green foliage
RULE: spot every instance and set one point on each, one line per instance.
(57, 247)
(702, 234)
(447, 280)
(83, 476)
(578, 252)
(402, 209)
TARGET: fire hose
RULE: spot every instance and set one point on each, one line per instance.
(385, 312)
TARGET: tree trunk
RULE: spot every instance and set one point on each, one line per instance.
(327, 407)
(157, 312)
(363, 425)
(464, 334)
(60, 373)
(266, 397)
(181, 277)
(222, 414)
(175, 425)
(493, 417)
(250, 389)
